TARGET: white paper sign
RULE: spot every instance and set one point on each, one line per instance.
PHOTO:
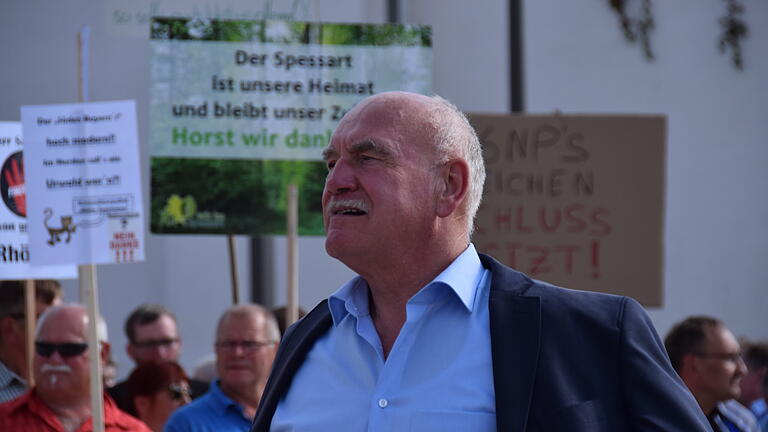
(14, 248)
(84, 183)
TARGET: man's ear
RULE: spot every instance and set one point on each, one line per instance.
(454, 178)
(106, 349)
(689, 367)
(131, 351)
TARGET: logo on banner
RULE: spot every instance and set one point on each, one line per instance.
(66, 227)
(12, 184)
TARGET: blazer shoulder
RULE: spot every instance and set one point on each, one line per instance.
(557, 300)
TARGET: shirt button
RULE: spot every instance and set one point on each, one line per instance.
(383, 403)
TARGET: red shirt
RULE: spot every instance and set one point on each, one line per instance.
(28, 413)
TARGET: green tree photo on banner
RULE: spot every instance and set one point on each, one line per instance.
(241, 109)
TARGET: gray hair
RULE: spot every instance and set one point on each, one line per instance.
(270, 323)
(456, 137)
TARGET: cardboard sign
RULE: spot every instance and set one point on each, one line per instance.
(255, 111)
(14, 247)
(83, 183)
(577, 201)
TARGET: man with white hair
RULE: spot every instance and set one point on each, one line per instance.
(432, 336)
(60, 400)
(13, 331)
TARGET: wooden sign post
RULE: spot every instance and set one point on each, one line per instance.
(292, 216)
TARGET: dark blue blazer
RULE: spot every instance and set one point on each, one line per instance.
(563, 360)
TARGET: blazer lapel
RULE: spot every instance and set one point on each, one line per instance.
(296, 344)
(515, 322)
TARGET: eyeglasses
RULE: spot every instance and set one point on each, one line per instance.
(155, 343)
(731, 357)
(247, 346)
(177, 392)
(66, 350)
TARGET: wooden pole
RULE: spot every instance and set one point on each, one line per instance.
(292, 216)
(89, 289)
(233, 269)
(31, 318)
(89, 285)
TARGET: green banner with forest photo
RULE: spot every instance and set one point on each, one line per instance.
(241, 109)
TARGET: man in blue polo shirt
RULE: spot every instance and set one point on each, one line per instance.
(246, 343)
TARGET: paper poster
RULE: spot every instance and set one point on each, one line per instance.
(14, 247)
(577, 201)
(240, 109)
(83, 183)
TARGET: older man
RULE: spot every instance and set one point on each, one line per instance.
(60, 400)
(13, 332)
(432, 336)
(246, 343)
(153, 338)
(707, 357)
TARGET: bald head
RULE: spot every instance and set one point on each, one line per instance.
(71, 313)
(61, 365)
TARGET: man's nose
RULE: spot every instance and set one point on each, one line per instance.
(341, 178)
(742, 367)
(55, 358)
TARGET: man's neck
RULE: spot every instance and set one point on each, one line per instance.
(70, 414)
(392, 288)
(247, 396)
(707, 406)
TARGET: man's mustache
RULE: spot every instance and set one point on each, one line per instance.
(336, 204)
(56, 368)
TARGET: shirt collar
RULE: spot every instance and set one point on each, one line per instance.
(7, 376)
(462, 276)
(32, 402)
(222, 401)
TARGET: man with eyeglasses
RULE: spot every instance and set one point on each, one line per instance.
(13, 332)
(60, 400)
(152, 338)
(707, 357)
(246, 343)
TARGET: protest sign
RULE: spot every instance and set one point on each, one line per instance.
(83, 183)
(577, 201)
(14, 247)
(241, 109)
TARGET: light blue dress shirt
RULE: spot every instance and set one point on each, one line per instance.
(211, 412)
(438, 375)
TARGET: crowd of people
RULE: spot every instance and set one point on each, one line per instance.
(727, 378)
(431, 335)
(157, 395)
